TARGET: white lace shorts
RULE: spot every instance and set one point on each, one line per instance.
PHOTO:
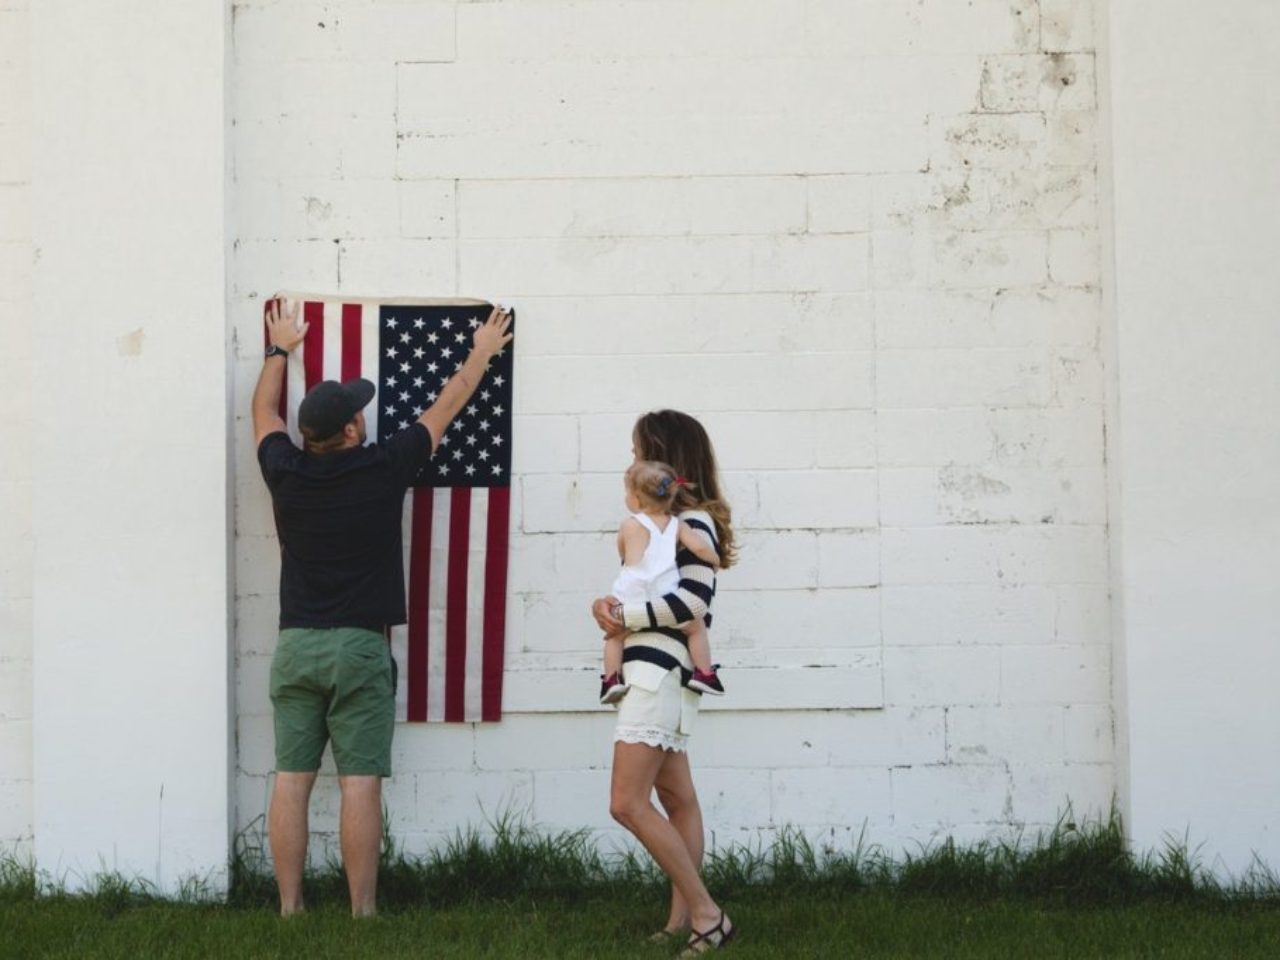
(661, 717)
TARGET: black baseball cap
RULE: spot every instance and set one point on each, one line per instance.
(331, 405)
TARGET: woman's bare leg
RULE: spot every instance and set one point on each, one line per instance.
(680, 801)
(635, 770)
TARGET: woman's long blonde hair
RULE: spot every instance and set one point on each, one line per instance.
(679, 440)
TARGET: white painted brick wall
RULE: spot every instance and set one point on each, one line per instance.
(16, 545)
(860, 241)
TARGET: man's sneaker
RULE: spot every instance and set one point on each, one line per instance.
(612, 688)
(707, 682)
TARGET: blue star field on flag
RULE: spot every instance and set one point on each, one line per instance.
(420, 349)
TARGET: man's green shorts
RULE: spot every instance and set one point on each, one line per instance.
(336, 684)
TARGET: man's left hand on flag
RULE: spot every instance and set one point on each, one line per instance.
(283, 329)
(489, 338)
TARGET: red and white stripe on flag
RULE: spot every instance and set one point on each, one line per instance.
(456, 558)
(451, 651)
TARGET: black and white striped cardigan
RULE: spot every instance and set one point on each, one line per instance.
(692, 596)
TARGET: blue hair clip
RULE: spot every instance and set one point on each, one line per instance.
(663, 485)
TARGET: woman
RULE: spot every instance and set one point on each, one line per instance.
(655, 718)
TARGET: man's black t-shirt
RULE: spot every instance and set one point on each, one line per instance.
(338, 516)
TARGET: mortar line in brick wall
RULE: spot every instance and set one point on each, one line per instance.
(750, 235)
(875, 441)
(845, 408)
(395, 127)
(577, 429)
(946, 734)
(758, 471)
(702, 295)
(633, 177)
(768, 291)
(995, 524)
(744, 355)
(771, 793)
(963, 407)
(730, 175)
(808, 200)
(1048, 254)
(739, 410)
(989, 112)
(524, 532)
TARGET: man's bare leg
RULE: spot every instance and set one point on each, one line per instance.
(361, 838)
(287, 830)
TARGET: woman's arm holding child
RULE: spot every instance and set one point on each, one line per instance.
(691, 599)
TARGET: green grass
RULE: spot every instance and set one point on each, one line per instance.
(869, 924)
(1073, 892)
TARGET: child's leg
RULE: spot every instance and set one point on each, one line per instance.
(699, 645)
(612, 655)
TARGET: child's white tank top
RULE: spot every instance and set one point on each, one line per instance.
(655, 574)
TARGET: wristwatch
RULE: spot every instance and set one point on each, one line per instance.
(275, 351)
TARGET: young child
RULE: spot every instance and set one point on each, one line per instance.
(647, 546)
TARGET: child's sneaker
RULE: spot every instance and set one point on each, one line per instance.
(612, 688)
(708, 682)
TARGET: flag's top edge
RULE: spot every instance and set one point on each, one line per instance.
(387, 301)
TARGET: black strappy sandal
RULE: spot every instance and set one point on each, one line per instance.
(714, 939)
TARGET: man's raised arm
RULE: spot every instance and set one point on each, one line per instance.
(490, 337)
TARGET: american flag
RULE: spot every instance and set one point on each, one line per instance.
(457, 514)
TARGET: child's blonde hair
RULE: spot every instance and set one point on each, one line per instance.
(654, 483)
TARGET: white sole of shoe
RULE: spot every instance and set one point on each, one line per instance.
(615, 694)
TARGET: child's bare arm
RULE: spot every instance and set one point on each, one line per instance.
(690, 540)
(632, 541)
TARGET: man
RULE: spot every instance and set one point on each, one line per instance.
(338, 507)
